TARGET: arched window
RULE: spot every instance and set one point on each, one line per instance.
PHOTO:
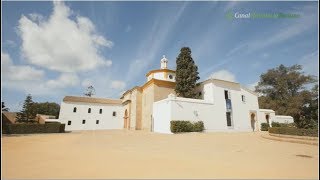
(100, 111)
(267, 118)
(89, 110)
(74, 109)
(114, 113)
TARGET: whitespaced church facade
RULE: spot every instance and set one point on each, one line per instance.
(223, 106)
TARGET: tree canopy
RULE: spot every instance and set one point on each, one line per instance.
(283, 89)
(30, 109)
(186, 74)
(27, 113)
(47, 108)
(90, 91)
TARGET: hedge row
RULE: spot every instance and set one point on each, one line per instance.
(186, 126)
(25, 128)
(264, 126)
(294, 131)
(276, 124)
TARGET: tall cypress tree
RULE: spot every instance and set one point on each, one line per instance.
(186, 74)
(26, 114)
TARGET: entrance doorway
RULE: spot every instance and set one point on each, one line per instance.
(126, 120)
(253, 121)
(267, 118)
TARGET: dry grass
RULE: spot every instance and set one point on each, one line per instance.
(136, 154)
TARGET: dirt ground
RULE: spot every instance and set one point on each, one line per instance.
(136, 154)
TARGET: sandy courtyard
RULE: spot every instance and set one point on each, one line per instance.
(135, 154)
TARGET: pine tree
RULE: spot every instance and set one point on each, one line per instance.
(186, 74)
(26, 114)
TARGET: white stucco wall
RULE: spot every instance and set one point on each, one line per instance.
(106, 119)
(273, 117)
(211, 109)
(263, 113)
(284, 119)
(162, 76)
(161, 116)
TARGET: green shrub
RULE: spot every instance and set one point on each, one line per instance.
(264, 126)
(62, 128)
(275, 124)
(27, 128)
(294, 131)
(186, 126)
(292, 125)
(198, 126)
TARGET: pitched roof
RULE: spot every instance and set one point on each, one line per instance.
(217, 80)
(91, 100)
(9, 117)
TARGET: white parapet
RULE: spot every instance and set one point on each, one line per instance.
(284, 119)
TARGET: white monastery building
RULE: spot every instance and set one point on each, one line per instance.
(87, 113)
(223, 106)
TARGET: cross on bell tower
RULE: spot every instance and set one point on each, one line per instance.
(164, 62)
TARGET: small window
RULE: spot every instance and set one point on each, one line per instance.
(83, 121)
(226, 94)
(114, 113)
(243, 97)
(97, 121)
(100, 111)
(229, 119)
(170, 76)
(69, 123)
(74, 109)
(89, 110)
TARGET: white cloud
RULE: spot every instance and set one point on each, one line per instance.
(60, 43)
(238, 49)
(265, 55)
(121, 93)
(63, 81)
(285, 31)
(128, 28)
(149, 47)
(18, 73)
(31, 80)
(310, 63)
(10, 43)
(307, 21)
(86, 83)
(252, 86)
(230, 5)
(223, 75)
(118, 85)
(36, 17)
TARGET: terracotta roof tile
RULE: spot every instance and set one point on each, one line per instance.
(91, 100)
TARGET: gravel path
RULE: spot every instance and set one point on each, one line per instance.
(137, 154)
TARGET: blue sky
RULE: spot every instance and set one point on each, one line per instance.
(55, 49)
